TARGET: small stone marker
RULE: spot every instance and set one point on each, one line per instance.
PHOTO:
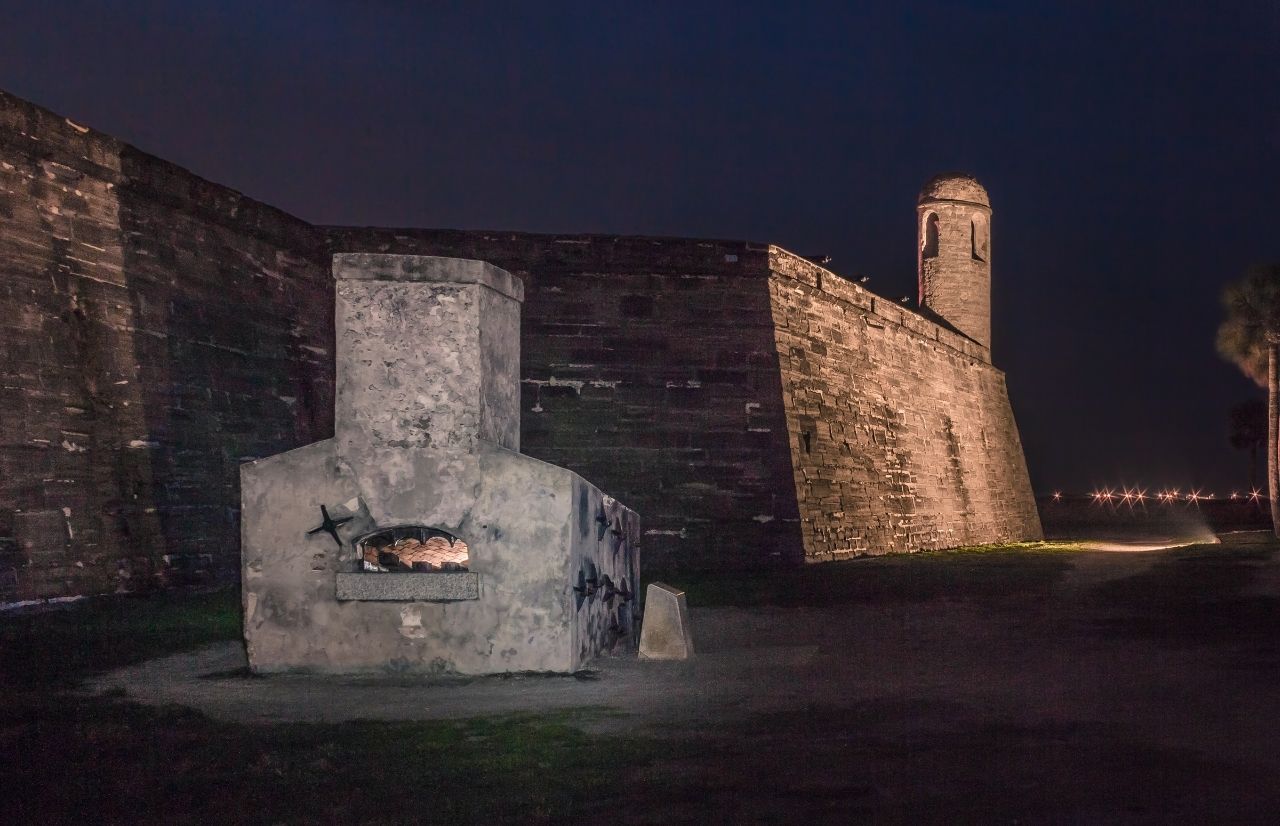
(664, 634)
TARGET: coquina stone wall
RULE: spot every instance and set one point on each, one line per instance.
(155, 330)
(649, 367)
(901, 434)
(753, 406)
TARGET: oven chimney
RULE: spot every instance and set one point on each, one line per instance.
(428, 353)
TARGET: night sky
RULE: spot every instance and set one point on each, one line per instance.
(1130, 151)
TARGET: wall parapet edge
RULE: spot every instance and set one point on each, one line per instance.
(787, 264)
(173, 327)
(43, 135)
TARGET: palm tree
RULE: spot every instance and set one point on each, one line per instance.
(1249, 432)
(1249, 337)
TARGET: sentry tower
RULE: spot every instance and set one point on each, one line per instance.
(954, 244)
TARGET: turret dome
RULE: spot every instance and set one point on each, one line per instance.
(954, 186)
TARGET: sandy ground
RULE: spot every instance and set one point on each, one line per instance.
(1124, 691)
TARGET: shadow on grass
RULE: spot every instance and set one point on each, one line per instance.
(58, 648)
(1197, 595)
(81, 760)
(988, 572)
(882, 760)
(931, 762)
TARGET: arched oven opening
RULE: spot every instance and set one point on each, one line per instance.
(412, 548)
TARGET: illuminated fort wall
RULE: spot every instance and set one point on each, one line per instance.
(901, 433)
(755, 407)
(158, 329)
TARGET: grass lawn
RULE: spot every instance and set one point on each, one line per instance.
(73, 758)
(981, 571)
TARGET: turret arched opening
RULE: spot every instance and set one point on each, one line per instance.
(979, 237)
(930, 247)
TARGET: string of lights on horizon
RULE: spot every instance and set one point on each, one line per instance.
(1140, 496)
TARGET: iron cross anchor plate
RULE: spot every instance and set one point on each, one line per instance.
(330, 525)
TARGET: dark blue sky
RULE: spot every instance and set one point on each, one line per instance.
(1130, 151)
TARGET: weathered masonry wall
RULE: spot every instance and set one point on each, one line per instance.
(157, 329)
(902, 435)
(648, 367)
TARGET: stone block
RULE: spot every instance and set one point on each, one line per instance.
(665, 634)
(426, 587)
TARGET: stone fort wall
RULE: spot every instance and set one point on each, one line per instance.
(754, 409)
(901, 433)
(753, 406)
(648, 366)
(155, 329)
